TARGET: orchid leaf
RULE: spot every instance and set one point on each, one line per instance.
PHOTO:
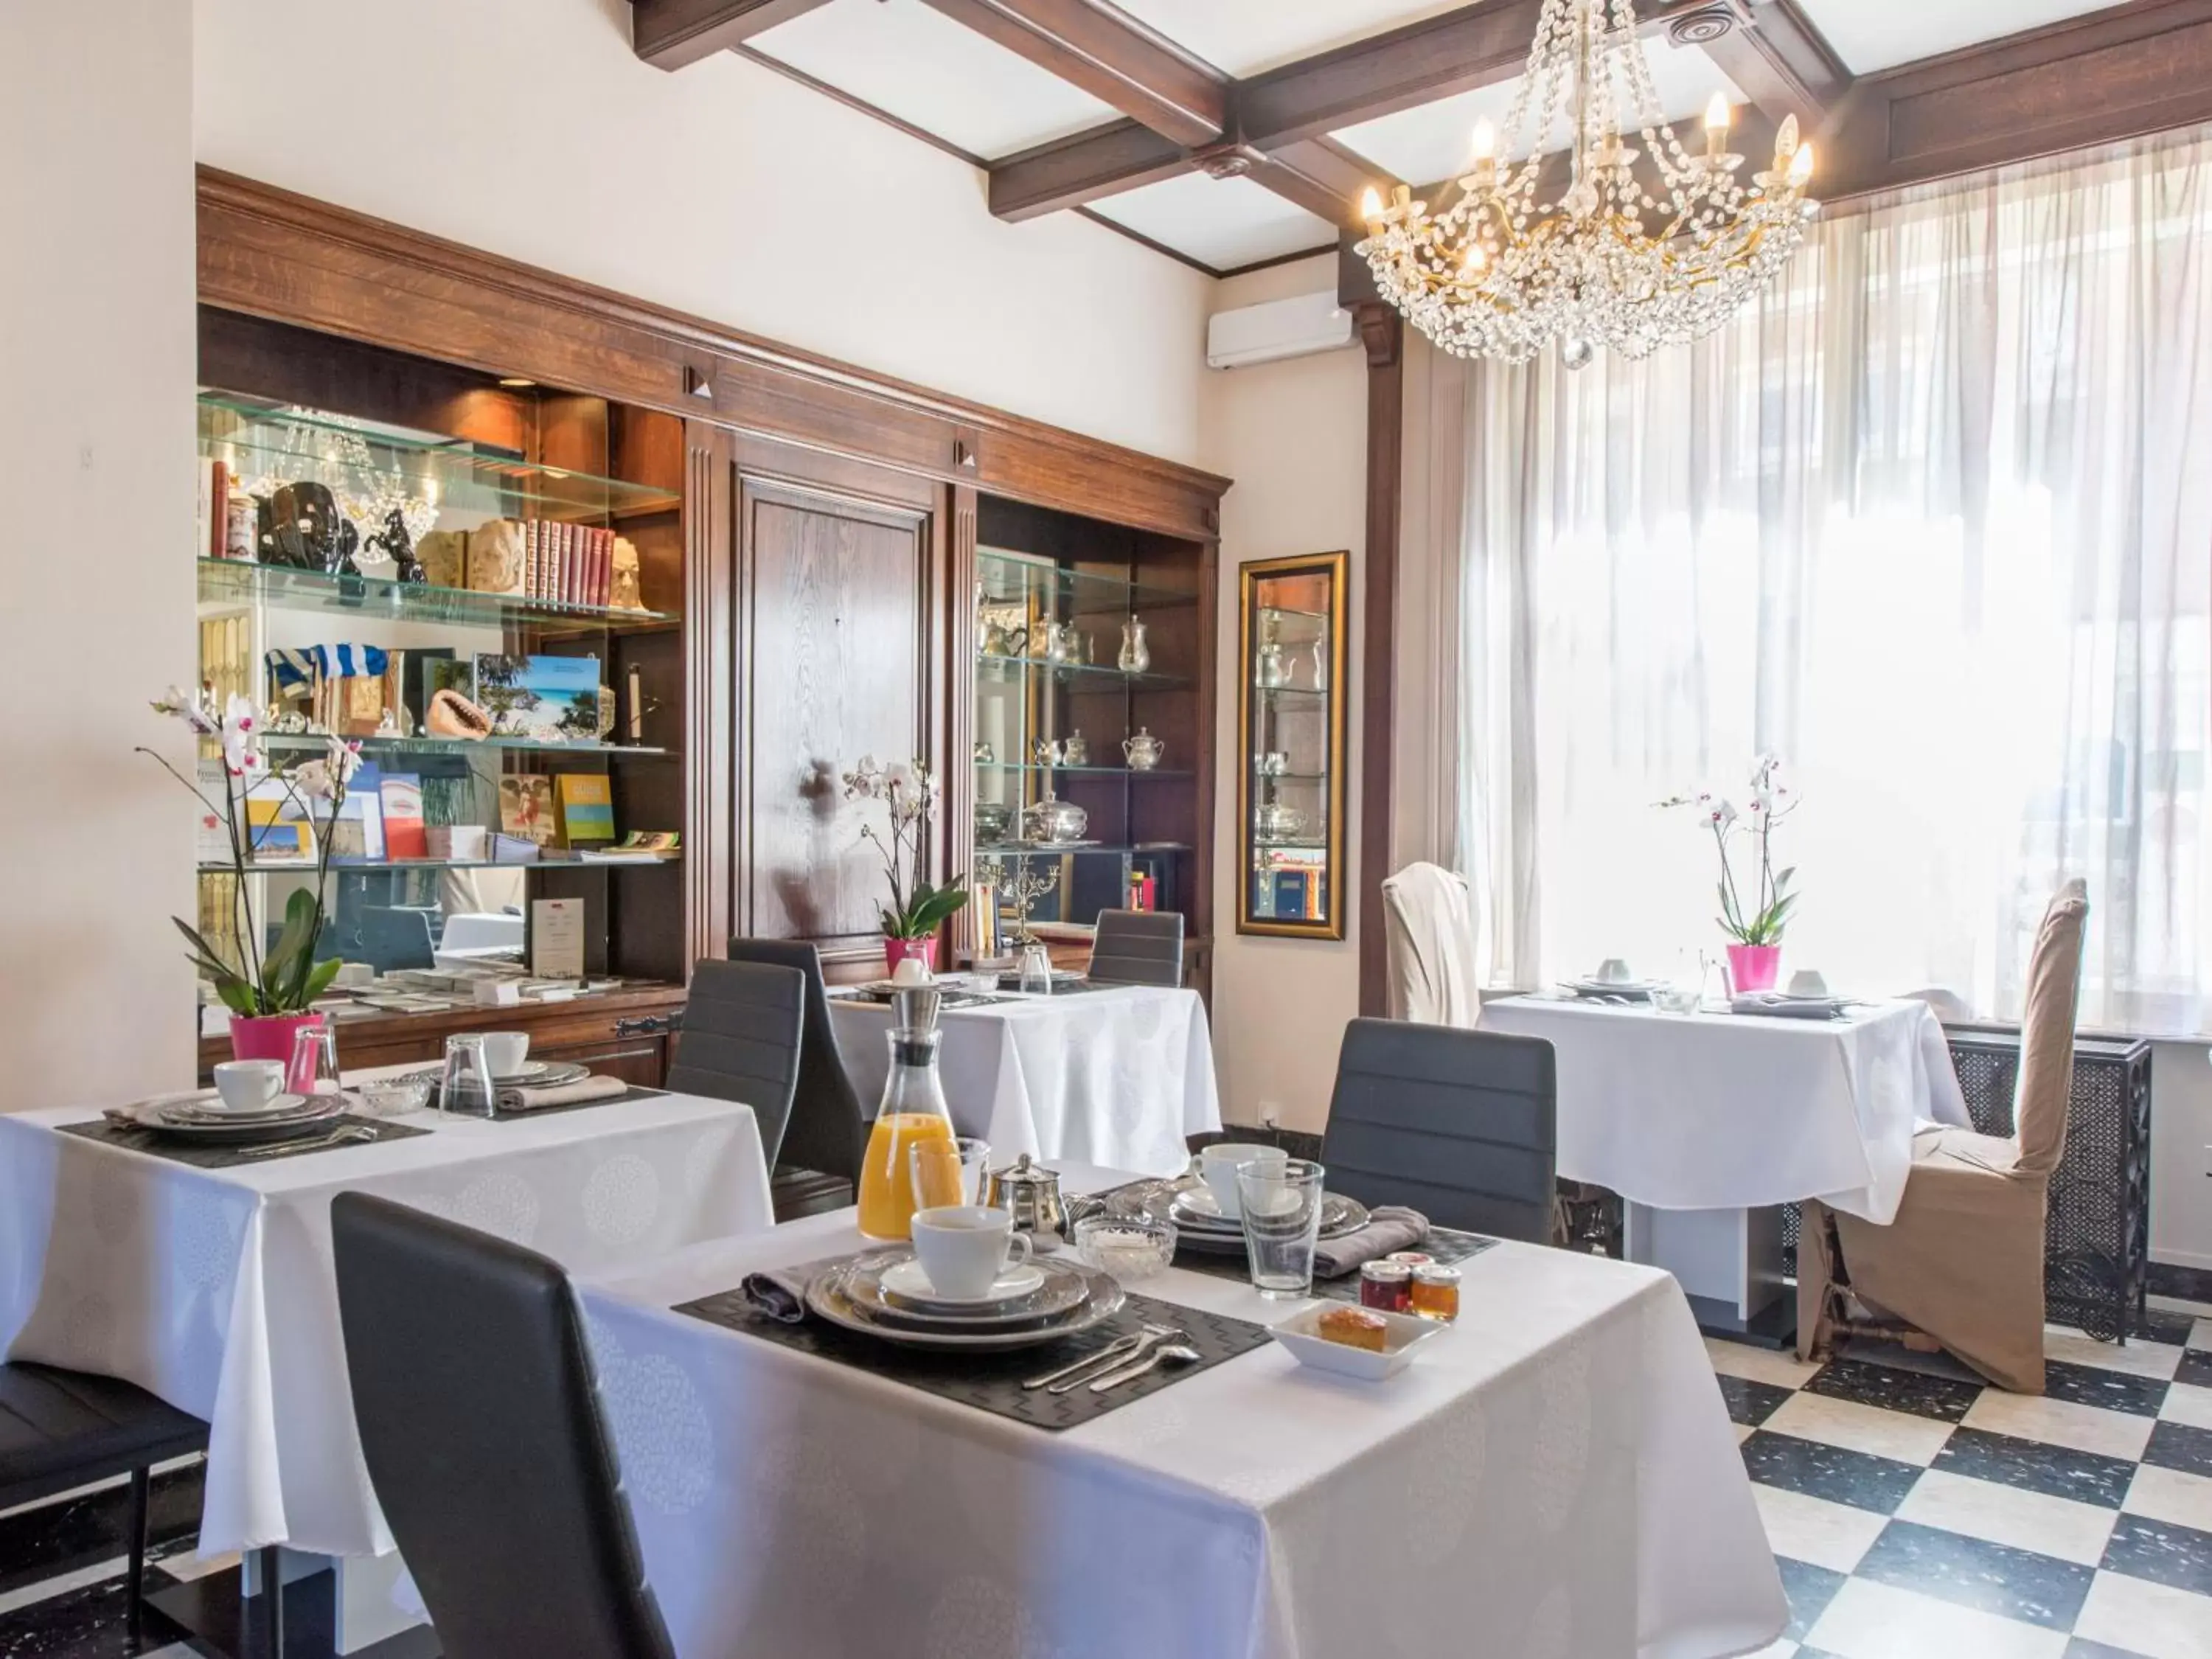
(319, 979)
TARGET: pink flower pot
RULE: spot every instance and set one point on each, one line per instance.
(923, 950)
(268, 1037)
(1753, 966)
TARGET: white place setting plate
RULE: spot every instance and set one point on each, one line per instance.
(907, 1282)
(229, 1128)
(847, 1295)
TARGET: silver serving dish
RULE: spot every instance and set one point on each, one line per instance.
(1061, 1295)
(993, 819)
(1052, 821)
(832, 1296)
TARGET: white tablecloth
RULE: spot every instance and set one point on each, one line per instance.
(1726, 1111)
(214, 1288)
(1115, 1078)
(1555, 1478)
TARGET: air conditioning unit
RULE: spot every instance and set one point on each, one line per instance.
(1297, 327)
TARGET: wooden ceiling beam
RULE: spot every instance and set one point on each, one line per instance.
(670, 33)
(1772, 52)
(1322, 177)
(1101, 162)
(1110, 55)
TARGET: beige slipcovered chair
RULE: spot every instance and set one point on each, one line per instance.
(1962, 1264)
(1428, 921)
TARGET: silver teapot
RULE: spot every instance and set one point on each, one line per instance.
(1052, 821)
(1274, 821)
(1030, 1191)
(1142, 750)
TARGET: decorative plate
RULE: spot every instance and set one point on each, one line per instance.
(240, 1134)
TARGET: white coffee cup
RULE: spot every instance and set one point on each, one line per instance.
(963, 1247)
(1217, 1166)
(1807, 983)
(505, 1051)
(1613, 971)
(245, 1086)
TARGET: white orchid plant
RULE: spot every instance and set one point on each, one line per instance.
(285, 978)
(1772, 800)
(910, 794)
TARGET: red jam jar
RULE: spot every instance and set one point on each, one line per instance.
(1386, 1286)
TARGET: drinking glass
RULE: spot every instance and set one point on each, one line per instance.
(948, 1171)
(466, 1088)
(315, 1066)
(1281, 1202)
(1037, 971)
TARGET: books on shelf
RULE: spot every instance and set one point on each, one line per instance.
(403, 829)
(567, 564)
(525, 807)
(587, 807)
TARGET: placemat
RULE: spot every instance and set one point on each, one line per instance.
(1447, 1245)
(992, 1382)
(1061, 987)
(133, 1140)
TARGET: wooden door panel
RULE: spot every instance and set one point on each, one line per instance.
(835, 668)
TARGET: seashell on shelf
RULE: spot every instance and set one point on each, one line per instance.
(452, 715)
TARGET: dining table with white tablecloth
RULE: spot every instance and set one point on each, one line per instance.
(1117, 1076)
(1707, 1121)
(214, 1288)
(1554, 1477)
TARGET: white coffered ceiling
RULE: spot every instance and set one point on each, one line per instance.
(1880, 34)
(907, 61)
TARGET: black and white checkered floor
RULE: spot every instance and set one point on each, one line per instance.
(1916, 1515)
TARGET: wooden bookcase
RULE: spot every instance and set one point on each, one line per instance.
(815, 553)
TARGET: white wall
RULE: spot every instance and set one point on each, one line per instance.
(528, 128)
(1294, 436)
(2181, 1155)
(95, 462)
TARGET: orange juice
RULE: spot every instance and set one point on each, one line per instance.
(887, 1205)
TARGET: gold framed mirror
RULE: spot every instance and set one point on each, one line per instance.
(1290, 726)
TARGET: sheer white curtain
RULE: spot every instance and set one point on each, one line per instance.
(1933, 520)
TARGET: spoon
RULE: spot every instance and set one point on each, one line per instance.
(1173, 1352)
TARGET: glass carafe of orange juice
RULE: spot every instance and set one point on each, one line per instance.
(913, 1110)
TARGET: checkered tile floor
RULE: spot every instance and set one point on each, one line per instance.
(1916, 1514)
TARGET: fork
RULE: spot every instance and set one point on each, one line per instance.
(351, 1131)
(1121, 1348)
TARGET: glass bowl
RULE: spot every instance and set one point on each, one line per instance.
(1675, 999)
(1129, 1249)
(388, 1097)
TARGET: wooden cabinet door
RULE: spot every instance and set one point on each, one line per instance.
(839, 657)
(639, 1061)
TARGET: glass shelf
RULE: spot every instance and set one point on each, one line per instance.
(241, 582)
(991, 849)
(317, 741)
(1305, 694)
(270, 443)
(1081, 676)
(1287, 777)
(379, 867)
(1009, 579)
(1080, 771)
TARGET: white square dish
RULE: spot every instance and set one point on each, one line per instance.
(1403, 1333)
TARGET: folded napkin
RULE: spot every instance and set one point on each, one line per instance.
(562, 1094)
(1762, 1002)
(779, 1292)
(1390, 1227)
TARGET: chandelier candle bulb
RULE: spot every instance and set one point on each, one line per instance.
(1718, 117)
(1801, 167)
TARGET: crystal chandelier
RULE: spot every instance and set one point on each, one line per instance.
(1608, 263)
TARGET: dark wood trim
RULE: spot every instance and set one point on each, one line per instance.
(670, 33)
(1110, 55)
(2121, 73)
(1383, 333)
(267, 252)
(1324, 177)
(710, 710)
(1279, 259)
(1147, 242)
(958, 521)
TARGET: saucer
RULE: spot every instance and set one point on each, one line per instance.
(908, 1283)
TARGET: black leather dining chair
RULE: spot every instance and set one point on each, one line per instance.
(1460, 1125)
(742, 1026)
(480, 1426)
(60, 1429)
(1138, 947)
(828, 1129)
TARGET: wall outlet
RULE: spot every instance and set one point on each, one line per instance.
(1270, 1116)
